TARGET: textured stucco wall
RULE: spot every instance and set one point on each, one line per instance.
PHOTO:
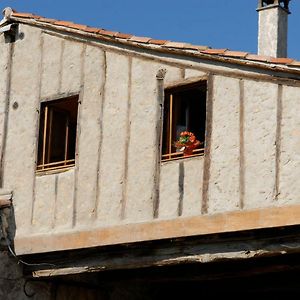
(272, 33)
(224, 169)
(289, 160)
(114, 180)
(181, 188)
(4, 69)
(20, 158)
(260, 121)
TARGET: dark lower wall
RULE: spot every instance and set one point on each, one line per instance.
(277, 277)
(13, 284)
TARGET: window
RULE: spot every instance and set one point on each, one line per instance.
(184, 110)
(57, 134)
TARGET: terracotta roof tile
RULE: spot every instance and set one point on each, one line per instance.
(92, 29)
(202, 48)
(63, 23)
(194, 47)
(47, 20)
(78, 26)
(244, 56)
(295, 64)
(237, 54)
(158, 42)
(213, 51)
(140, 39)
(123, 35)
(24, 15)
(258, 57)
(281, 60)
(177, 45)
(107, 32)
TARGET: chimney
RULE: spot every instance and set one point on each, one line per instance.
(273, 27)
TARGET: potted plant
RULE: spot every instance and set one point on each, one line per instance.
(187, 142)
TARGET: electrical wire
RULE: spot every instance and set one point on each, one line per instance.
(24, 262)
(12, 252)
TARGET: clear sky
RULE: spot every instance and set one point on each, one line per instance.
(228, 24)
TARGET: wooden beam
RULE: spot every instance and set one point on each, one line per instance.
(5, 198)
(160, 229)
(143, 263)
(4, 203)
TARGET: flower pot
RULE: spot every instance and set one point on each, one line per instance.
(188, 151)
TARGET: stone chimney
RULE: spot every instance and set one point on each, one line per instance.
(273, 27)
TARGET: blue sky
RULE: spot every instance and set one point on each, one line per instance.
(219, 23)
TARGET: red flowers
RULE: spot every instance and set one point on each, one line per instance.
(187, 142)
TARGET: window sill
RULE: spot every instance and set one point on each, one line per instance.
(182, 158)
(54, 171)
(179, 155)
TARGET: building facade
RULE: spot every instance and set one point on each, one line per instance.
(89, 121)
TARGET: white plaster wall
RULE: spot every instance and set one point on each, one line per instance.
(4, 56)
(53, 202)
(168, 186)
(169, 190)
(260, 111)
(289, 168)
(142, 148)
(87, 197)
(272, 33)
(191, 179)
(54, 194)
(51, 65)
(173, 73)
(223, 194)
(193, 183)
(72, 64)
(114, 138)
(44, 203)
(193, 73)
(90, 127)
(20, 157)
(64, 204)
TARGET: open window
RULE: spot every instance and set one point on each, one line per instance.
(57, 134)
(184, 110)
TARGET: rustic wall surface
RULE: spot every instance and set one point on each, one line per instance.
(273, 33)
(251, 163)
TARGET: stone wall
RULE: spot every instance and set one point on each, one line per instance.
(13, 284)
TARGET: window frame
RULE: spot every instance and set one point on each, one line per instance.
(48, 106)
(169, 91)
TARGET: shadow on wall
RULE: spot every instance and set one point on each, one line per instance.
(7, 227)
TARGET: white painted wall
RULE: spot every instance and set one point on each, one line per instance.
(272, 32)
(113, 181)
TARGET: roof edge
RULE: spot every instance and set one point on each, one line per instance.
(286, 65)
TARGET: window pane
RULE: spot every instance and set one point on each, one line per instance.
(184, 110)
(57, 134)
(57, 142)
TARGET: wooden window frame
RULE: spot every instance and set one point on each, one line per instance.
(169, 96)
(47, 110)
